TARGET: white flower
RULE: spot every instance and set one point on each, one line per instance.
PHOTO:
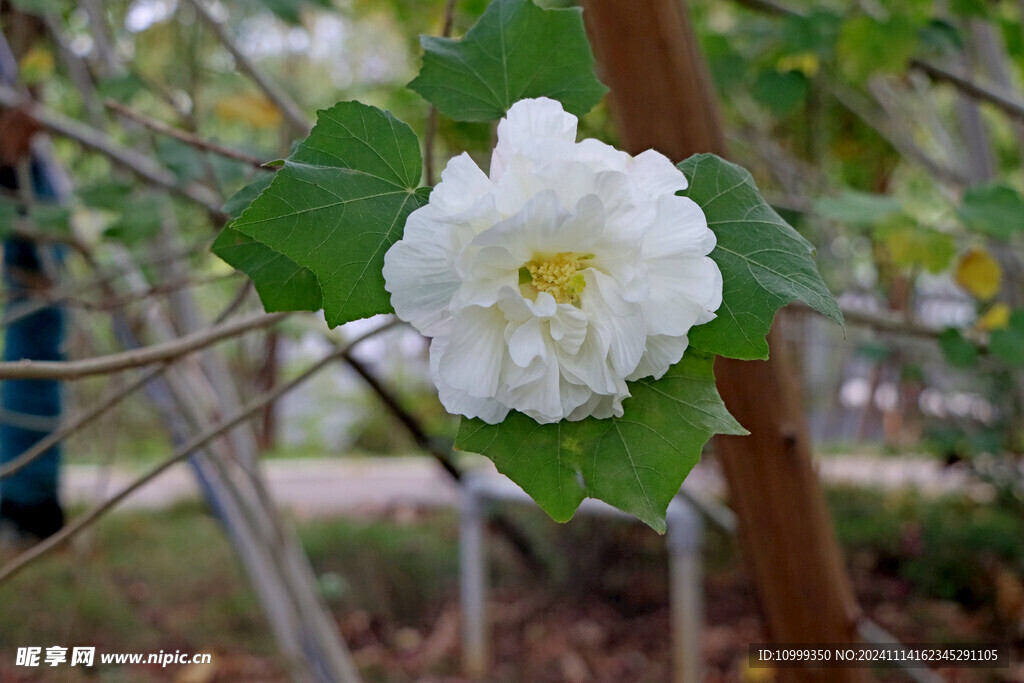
(573, 268)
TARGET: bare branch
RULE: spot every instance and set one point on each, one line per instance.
(1004, 100)
(889, 322)
(194, 444)
(86, 417)
(139, 164)
(187, 138)
(281, 99)
(71, 370)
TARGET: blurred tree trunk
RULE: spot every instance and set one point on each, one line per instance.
(661, 96)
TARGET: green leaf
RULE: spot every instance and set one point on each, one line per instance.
(515, 51)
(959, 352)
(240, 201)
(993, 209)
(636, 463)
(765, 263)
(910, 245)
(338, 204)
(781, 93)
(42, 7)
(140, 218)
(857, 208)
(1008, 343)
(867, 46)
(282, 284)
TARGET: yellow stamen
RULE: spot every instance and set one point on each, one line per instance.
(558, 275)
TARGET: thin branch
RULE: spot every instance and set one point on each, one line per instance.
(86, 417)
(162, 289)
(71, 370)
(1006, 101)
(193, 444)
(888, 322)
(408, 420)
(432, 116)
(139, 164)
(186, 137)
(903, 144)
(68, 291)
(769, 7)
(281, 99)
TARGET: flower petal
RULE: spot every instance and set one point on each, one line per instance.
(475, 351)
(680, 227)
(420, 274)
(684, 292)
(459, 402)
(462, 184)
(655, 175)
(661, 353)
(527, 123)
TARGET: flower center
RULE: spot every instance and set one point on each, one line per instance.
(559, 275)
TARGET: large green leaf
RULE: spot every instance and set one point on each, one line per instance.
(282, 284)
(515, 51)
(993, 209)
(339, 202)
(765, 263)
(636, 463)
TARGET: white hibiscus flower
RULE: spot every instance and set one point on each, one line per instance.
(573, 268)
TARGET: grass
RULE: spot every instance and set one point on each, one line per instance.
(146, 581)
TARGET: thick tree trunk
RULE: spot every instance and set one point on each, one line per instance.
(661, 96)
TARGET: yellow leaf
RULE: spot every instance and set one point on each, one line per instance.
(252, 109)
(995, 318)
(36, 65)
(979, 274)
(805, 62)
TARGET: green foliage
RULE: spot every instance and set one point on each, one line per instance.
(515, 51)
(42, 7)
(781, 92)
(1008, 343)
(282, 284)
(855, 208)
(765, 263)
(993, 209)
(337, 205)
(909, 245)
(959, 352)
(636, 462)
(868, 46)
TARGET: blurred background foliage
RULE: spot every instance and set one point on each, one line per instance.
(890, 133)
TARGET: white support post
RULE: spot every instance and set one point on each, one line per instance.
(473, 588)
(684, 538)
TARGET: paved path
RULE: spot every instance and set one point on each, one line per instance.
(329, 486)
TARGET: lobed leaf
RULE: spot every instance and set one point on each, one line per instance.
(515, 51)
(636, 463)
(765, 263)
(335, 207)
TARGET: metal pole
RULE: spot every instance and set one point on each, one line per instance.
(473, 589)
(684, 538)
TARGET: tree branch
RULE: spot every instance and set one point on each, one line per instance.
(1002, 99)
(186, 137)
(71, 370)
(193, 444)
(139, 164)
(281, 99)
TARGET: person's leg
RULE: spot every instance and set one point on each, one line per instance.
(29, 409)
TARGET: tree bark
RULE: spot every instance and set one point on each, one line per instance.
(662, 97)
